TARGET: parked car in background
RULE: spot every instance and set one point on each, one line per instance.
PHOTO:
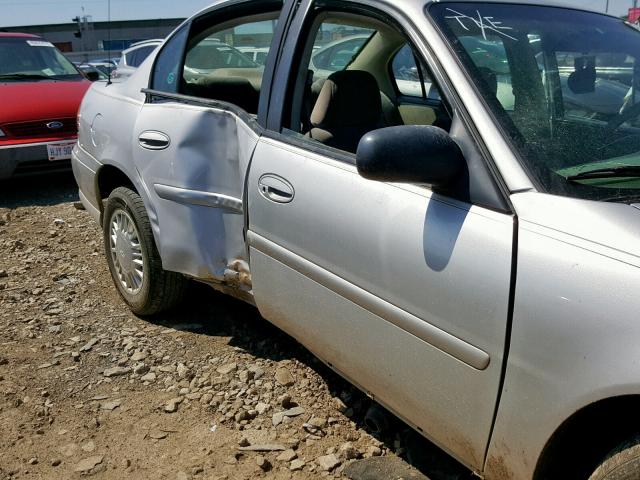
(40, 92)
(336, 55)
(133, 57)
(91, 72)
(257, 54)
(211, 55)
(103, 67)
(468, 254)
(112, 61)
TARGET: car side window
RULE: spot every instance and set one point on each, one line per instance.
(411, 77)
(168, 61)
(215, 68)
(345, 86)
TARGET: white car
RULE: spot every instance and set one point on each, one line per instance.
(336, 55)
(210, 55)
(257, 54)
(133, 57)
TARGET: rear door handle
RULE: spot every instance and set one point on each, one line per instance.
(275, 188)
(153, 140)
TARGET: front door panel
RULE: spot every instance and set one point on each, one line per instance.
(402, 291)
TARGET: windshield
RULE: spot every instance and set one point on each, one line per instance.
(28, 59)
(563, 85)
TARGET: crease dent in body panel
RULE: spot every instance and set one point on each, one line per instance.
(202, 197)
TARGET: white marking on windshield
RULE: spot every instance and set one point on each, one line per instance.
(484, 23)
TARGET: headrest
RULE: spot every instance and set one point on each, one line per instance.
(349, 98)
(316, 87)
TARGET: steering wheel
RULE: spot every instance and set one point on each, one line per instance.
(619, 119)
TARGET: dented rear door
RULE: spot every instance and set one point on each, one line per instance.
(197, 181)
(193, 148)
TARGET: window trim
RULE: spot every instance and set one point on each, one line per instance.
(246, 117)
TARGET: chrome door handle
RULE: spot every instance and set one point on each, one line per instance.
(275, 188)
(153, 140)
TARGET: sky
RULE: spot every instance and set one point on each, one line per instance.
(38, 12)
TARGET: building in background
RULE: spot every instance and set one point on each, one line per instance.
(84, 40)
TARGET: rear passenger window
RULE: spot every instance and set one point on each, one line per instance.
(215, 68)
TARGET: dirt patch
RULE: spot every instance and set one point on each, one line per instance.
(88, 389)
(209, 391)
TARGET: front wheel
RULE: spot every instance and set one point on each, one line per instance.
(133, 259)
(623, 463)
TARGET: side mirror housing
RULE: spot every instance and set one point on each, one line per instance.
(410, 154)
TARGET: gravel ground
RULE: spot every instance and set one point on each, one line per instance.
(210, 391)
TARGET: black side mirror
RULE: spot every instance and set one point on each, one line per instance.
(92, 76)
(410, 154)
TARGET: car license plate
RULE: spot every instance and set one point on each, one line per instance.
(60, 151)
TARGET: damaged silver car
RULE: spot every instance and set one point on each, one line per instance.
(448, 217)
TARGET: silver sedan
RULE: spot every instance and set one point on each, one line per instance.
(448, 217)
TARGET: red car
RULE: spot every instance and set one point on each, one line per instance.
(40, 92)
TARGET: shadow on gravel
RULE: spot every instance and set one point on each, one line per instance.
(247, 330)
(41, 190)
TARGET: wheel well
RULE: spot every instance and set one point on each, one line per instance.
(110, 178)
(584, 439)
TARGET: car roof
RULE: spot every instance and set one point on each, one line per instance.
(571, 4)
(361, 36)
(142, 43)
(146, 43)
(17, 35)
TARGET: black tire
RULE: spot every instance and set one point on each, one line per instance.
(157, 290)
(622, 463)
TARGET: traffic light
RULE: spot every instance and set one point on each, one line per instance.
(76, 20)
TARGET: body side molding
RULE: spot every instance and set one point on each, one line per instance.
(444, 341)
(198, 197)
